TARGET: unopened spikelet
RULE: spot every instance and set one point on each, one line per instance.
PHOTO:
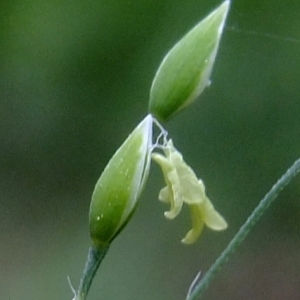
(185, 71)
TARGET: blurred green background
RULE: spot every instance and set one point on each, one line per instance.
(74, 82)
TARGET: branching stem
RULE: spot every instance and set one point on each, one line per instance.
(264, 204)
(95, 257)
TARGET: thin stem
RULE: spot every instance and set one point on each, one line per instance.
(244, 230)
(95, 257)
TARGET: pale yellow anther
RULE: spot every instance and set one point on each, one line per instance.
(183, 186)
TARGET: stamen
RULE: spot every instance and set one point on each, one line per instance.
(163, 135)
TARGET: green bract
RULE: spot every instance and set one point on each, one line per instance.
(119, 187)
(185, 71)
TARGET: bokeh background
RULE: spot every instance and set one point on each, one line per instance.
(74, 82)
